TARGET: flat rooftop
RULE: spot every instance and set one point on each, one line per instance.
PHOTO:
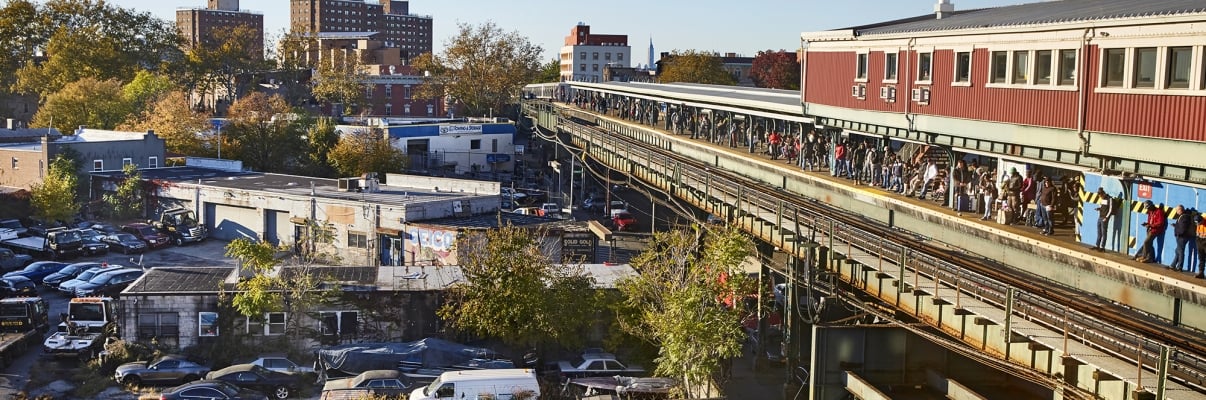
(293, 185)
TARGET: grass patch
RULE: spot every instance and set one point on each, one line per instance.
(50, 370)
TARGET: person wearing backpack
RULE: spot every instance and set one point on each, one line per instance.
(1185, 231)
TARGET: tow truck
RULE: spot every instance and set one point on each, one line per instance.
(180, 224)
(58, 243)
(89, 321)
(22, 320)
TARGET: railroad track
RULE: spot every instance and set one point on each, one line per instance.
(1105, 325)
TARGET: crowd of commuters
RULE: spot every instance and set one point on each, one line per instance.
(1013, 198)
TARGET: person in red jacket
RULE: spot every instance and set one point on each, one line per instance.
(1156, 223)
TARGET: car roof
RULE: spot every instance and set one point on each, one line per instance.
(237, 368)
(598, 356)
(116, 272)
(22, 299)
(15, 278)
(199, 383)
(171, 357)
(375, 374)
(135, 225)
(45, 262)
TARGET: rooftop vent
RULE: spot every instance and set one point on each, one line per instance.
(943, 7)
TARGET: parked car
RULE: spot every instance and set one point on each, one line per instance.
(39, 228)
(382, 382)
(250, 376)
(624, 221)
(16, 226)
(69, 272)
(93, 245)
(17, 286)
(109, 283)
(596, 363)
(11, 261)
(125, 243)
(550, 209)
(165, 369)
(210, 390)
(70, 284)
(146, 233)
(36, 271)
(105, 229)
(615, 207)
(536, 211)
(279, 363)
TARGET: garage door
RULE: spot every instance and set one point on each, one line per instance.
(277, 228)
(229, 222)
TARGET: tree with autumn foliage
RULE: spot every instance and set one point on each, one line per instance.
(693, 66)
(85, 102)
(482, 68)
(340, 79)
(176, 122)
(367, 150)
(776, 70)
(262, 131)
(225, 63)
(550, 72)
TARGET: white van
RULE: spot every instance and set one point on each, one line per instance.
(499, 384)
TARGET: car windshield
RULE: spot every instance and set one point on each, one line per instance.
(69, 237)
(146, 231)
(70, 269)
(11, 224)
(88, 274)
(99, 278)
(229, 389)
(12, 310)
(432, 387)
(125, 237)
(89, 233)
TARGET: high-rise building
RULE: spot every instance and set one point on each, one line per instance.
(197, 25)
(391, 19)
(585, 55)
(650, 64)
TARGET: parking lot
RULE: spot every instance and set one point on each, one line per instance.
(205, 254)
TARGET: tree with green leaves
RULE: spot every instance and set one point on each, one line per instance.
(550, 72)
(340, 79)
(263, 133)
(226, 62)
(85, 102)
(321, 139)
(54, 198)
(687, 301)
(776, 70)
(514, 292)
(693, 66)
(146, 88)
(367, 150)
(84, 38)
(292, 57)
(291, 284)
(482, 68)
(126, 201)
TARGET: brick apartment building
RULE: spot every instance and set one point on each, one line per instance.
(585, 55)
(197, 25)
(395, 26)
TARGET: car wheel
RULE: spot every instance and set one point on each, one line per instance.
(189, 378)
(179, 241)
(132, 380)
(281, 392)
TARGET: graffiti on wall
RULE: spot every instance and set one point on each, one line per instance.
(431, 246)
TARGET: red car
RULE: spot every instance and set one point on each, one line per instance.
(147, 233)
(624, 221)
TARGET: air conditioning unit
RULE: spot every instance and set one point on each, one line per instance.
(891, 94)
(854, 91)
(883, 92)
(916, 94)
(862, 91)
(925, 96)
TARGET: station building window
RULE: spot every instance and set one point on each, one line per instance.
(1021, 67)
(890, 66)
(963, 67)
(1114, 68)
(925, 66)
(860, 68)
(1000, 67)
(1178, 67)
(1145, 67)
(1043, 63)
(1067, 68)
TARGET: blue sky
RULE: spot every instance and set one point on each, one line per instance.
(721, 26)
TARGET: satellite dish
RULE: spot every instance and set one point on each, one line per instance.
(391, 70)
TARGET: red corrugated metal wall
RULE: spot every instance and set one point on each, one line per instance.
(1161, 116)
(1017, 106)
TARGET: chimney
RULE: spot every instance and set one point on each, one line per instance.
(943, 7)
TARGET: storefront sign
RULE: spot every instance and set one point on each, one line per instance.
(446, 130)
(578, 246)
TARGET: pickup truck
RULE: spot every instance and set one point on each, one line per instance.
(10, 261)
(58, 243)
(596, 364)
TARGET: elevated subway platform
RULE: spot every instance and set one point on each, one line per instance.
(1175, 297)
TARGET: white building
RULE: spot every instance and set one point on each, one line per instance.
(456, 148)
(584, 55)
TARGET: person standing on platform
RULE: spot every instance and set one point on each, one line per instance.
(1046, 201)
(1105, 212)
(1013, 191)
(1156, 224)
(988, 189)
(1201, 243)
(1185, 229)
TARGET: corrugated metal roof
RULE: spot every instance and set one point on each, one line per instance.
(1050, 12)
